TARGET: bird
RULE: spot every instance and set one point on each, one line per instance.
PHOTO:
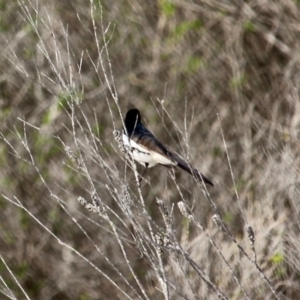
(147, 150)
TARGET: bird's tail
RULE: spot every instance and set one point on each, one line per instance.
(188, 168)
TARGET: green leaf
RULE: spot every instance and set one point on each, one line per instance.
(194, 64)
(167, 7)
(277, 258)
(249, 26)
(185, 26)
(238, 81)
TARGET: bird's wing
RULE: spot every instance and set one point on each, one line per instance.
(147, 140)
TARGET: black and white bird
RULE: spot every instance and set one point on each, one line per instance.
(148, 151)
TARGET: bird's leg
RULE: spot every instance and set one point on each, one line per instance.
(144, 172)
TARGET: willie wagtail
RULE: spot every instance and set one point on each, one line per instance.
(148, 151)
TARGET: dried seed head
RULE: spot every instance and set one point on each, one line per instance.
(183, 210)
(95, 198)
(165, 213)
(217, 220)
(159, 242)
(118, 137)
(251, 235)
(125, 195)
(82, 201)
(73, 157)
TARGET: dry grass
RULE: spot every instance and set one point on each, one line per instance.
(218, 81)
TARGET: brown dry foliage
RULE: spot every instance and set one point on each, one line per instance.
(192, 68)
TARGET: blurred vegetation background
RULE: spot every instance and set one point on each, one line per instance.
(195, 69)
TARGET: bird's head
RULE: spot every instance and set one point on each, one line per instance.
(133, 117)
